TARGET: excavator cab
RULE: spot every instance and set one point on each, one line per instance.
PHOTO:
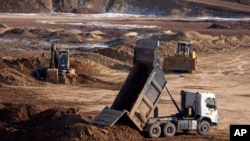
(58, 70)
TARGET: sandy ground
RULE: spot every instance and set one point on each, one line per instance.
(224, 72)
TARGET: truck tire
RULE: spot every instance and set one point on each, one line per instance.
(154, 130)
(204, 128)
(169, 129)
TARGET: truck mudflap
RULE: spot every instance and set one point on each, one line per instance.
(108, 117)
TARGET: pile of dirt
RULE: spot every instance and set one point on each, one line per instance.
(118, 57)
(122, 53)
(29, 123)
(85, 71)
(18, 71)
(13, 77)
(25, 65)
(96, 63)
(202, 43)
(23, 32)
(63, 36)
(52, 35)
(3, 28)
(25, 122)
(93, 62)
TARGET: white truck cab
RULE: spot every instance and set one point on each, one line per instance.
(202, 104)
(198, 112)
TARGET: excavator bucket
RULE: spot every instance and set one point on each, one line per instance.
(142, 89)
(179, 63)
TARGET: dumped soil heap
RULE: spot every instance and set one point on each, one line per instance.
(24, 122)
(27, 122)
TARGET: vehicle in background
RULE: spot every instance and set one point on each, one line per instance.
(184, 59)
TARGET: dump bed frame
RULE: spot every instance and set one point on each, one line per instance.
(141, 91)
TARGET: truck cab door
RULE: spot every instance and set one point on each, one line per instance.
(211, 109)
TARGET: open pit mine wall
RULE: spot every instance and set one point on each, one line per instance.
(122, 6)
(153, 7)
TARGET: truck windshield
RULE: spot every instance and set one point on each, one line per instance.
(210, 102)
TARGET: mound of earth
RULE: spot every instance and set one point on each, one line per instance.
(202, 43)
(13, 77)
(25, 122)
(121, 53)
(95, 61)
(98, 63)
(18, 71)
(19, 32)
(29, 123)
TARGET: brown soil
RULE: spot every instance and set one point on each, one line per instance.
(32, 109)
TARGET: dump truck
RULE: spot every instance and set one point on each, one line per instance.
(139, 96)
(184, 59)
(58, 70)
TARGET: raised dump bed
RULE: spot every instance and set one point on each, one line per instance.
(141, 91)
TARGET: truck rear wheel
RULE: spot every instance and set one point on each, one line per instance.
(204, 128)
(154, 131)
(169, 129)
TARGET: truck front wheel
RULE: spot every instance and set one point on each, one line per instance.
(169, 130)
(204, 128)
(154, 131)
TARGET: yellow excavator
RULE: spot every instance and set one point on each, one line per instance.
(184, 60)
(59, 71)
